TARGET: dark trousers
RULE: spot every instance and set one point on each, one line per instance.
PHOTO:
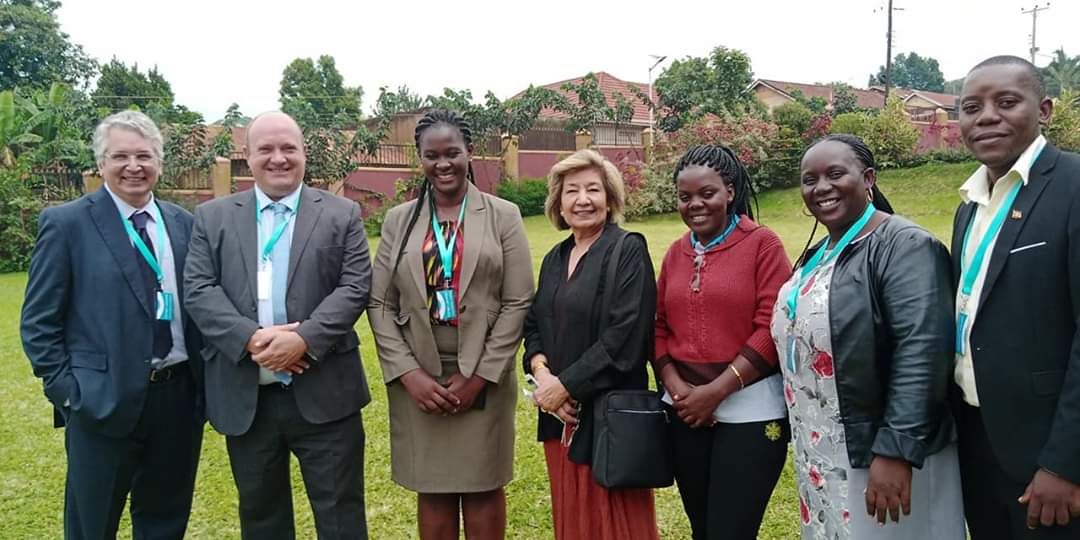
(726, 475)
(156, 463)
(990, 494)
(331, 459)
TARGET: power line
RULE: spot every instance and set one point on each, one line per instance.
(1034, 11)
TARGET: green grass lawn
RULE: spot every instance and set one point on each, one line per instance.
(32, 463)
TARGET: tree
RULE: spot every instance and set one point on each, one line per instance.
(694, 87)
(121, 87)
(494, 117)
(591, 107)
(315, 92)
(390, 102)
(954, 86)
(1064, 127)
(34, 53)
(233, 117)
(844, 99)
(1062, 74)
(914, 72)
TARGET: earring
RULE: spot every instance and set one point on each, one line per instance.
(869, 196)
(806, 212)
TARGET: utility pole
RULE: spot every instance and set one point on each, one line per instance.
(888, 51)
(1034, 11)
(658, 59)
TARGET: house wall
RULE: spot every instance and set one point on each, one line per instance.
(771, 98)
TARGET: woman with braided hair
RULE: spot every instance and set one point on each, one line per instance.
(714, 353)
(452, 283)
(864, 330)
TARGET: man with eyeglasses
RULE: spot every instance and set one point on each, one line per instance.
(103, 328)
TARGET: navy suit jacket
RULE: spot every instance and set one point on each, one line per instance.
(1025, 340)
(87, 317)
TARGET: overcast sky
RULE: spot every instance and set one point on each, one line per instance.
(223, 51)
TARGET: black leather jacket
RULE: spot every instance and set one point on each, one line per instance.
(891, 315)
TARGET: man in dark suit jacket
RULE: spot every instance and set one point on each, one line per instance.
(1016, 254)
(120, 367)
(276, 279)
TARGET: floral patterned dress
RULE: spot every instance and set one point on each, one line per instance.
(831, 500)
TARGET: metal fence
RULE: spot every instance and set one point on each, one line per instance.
(551, 138)
(605, 134)
(389, 155)
(56, 184)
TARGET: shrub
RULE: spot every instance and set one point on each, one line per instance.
(375, 215)
(655, 194)
(793, 115)
(529, 194)
(19, 211)
(889, 134)
(1064, 128)
(852, 123)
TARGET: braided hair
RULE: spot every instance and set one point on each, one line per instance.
(722, 160)
(432, 118)
(864, 156)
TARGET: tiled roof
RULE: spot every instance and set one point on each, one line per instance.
(866, 99)
(609, 85)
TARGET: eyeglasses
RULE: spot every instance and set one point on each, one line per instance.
(123, 158)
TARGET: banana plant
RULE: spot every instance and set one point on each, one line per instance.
(15, 132)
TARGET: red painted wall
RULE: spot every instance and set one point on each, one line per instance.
(538, 164)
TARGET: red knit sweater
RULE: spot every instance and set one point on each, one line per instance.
(703, 331)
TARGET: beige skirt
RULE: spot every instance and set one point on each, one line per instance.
(468, 452)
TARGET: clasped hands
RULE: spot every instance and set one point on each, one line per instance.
(550, 394)
(457, 396)
(1051, 500)
(279, 348)
(693, 404)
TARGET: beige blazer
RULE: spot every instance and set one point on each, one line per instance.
(496, 291)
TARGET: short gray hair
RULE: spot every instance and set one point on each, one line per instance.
(133, 121)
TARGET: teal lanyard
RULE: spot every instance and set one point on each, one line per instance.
(970, 272)
(141, 246)
(819, 258)
(715, 241)
(278, 231)
(446, 252)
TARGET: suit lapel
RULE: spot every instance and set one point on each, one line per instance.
(178, 241)
(247, 237)
(1025, 201)
(414, 247)
(475, 229)
(963, 221)
(107, 218)
(306, 218)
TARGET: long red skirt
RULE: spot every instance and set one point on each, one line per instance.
(583, 510)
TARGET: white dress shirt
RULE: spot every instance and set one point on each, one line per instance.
(164, 255)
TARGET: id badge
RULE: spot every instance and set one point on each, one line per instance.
(445, 307)
(163, 303)
(265, 278)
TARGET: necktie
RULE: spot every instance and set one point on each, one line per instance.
(279, 258)
(163, 341)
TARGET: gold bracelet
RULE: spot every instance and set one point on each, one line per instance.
(737, 376)
(535, 365)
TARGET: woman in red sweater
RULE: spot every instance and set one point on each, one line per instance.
(714, 350)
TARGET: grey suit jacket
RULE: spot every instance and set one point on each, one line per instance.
(328, 287)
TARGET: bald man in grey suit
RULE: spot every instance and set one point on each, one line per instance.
(276, 278)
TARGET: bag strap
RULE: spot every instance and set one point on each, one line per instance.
(611, 270)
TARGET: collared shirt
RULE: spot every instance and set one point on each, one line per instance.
(977, 189)
(164, 255)
(265, 230)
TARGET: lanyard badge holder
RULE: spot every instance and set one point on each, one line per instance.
(445, 302)
(163, 301)
(970, 272)
(265, 273)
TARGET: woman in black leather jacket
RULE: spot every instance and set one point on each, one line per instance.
(864, 333)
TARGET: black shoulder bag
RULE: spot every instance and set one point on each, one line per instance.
(631, 442)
